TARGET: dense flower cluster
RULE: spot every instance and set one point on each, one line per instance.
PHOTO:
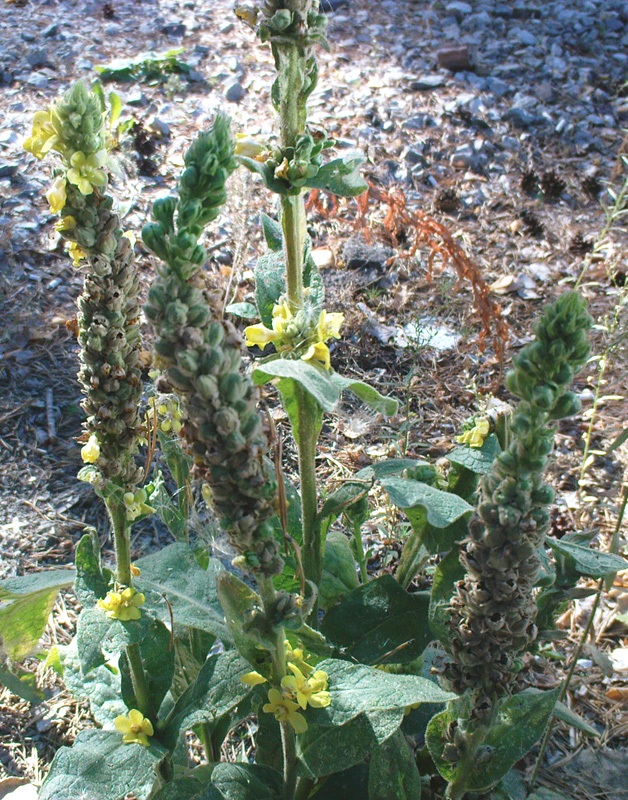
(108, 316)
(201, 357)
(298, 336)
(493, 610)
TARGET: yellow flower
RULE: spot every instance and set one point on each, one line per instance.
(296, 655)
(259, 335)
(329, 325)
(318, 352)
(43, 135)
(135, 571)
(86, 172)
(248, 147)
(285, 710)
(134, 727)
(312, 690)
(136, 504)
(124, 605)
(76, 254)
(56, 195)
(170, 416)
(253, 679)
(476, 435)
(66, 223)
(90, 452)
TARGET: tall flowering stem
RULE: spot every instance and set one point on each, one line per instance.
(293, 28)
(108, 311)
(493, 610)
(200, 355)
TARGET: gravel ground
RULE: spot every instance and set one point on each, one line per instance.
(500, 120)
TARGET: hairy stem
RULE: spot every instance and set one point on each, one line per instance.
(122, 546)
(138, 678)
(457, 788)
(288, 742)
(294, 232)
(359, 551)
(306, 444)
(121, 540)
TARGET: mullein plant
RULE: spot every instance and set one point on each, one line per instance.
(493, 609)
(108, 328)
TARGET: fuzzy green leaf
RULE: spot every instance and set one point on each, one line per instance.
(273, 234)
(357, 689)
(188, 788)
(247, 782)
(446, 575)
(169, 513)
(173, 575)
(442, 508)
(587, 561)
(98, 636)
(217, 690)
(325, 386)
(99, 765)
(323, 750)
(350, 784)
(239, 601)
(100, 686)
(351, 491)
(476, 459)
(270, 284)
(26, 603)
(242, 310)
(393, 774)
(92, 580)
(522, 720)
(379, 622)
(21, 685)
(341, 176)
(339, 575)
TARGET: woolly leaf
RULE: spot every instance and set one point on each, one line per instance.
(26, 604)
(379, 622)
(393, 774)
(99, 765)
(190, 591)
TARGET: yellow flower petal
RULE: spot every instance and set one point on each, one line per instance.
(298, 722)
(90, 452)
(318, 352)
(259, 335)
(56, 195)
(253, 679)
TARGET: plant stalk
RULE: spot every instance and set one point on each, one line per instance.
(307, 437)
(122, 547)
(458, 787)
(304, 787)
(359, 551)
(288, 742)
(294, 233)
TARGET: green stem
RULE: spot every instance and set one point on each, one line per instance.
(294, 233)
(138, 678)
(121, 540)
(457, 788)
(359, 551)
(307, 437)
(304, 787)
(288, 741)
(205, 735)
(122, 546)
